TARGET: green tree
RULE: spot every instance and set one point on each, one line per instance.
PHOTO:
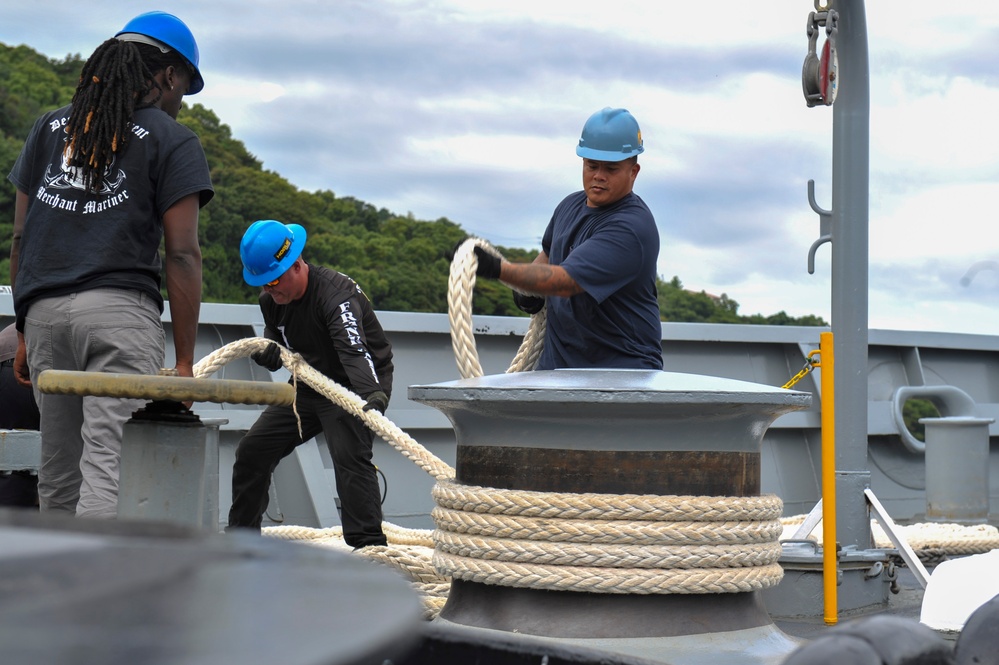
(679, 304)
(913, 410)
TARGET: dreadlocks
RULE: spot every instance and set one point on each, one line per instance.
(113, 84)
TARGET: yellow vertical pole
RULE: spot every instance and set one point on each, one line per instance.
(830, 576)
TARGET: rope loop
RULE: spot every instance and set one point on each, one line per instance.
(460, 287)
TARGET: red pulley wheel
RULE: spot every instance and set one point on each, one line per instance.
(828, 74)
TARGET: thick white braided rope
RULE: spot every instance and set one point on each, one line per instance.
(333, 391)
(608, 532)
(604, 580)
(409, 551)
(929, 538)
(582, 542)
(609, 556)
(534, 545)
(587, 506)
(460, 289)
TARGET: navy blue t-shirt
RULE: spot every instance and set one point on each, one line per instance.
(611, 252)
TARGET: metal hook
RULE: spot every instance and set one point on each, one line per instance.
(825, 226)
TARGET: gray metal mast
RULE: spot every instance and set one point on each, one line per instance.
(850, 197)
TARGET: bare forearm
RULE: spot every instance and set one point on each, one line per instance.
(540, 279)
(183, 269)
(20, 212)
(15, 253)
(184, 292)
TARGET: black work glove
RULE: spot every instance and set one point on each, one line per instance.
(269, 358)
(489, 265)
(377, 401)
(529, 304)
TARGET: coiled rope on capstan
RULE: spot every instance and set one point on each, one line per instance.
(583, 531)
(475, 524)
(565, 505)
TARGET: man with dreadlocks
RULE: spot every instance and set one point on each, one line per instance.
(100, 183)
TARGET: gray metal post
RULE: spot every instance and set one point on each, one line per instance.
(850, 194)
(957, 469)
(163, 467)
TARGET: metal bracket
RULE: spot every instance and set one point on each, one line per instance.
(825, 226)
(811, 521)
(891, 529)
(886, 522)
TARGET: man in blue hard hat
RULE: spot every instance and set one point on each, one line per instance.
(324, 316)
(101, 183)
(597, 269)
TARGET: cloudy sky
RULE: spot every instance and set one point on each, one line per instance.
(471, 110)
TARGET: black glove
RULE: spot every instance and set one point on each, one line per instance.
(269, 358)
(377, 401)
(489, 265)
(529, 304)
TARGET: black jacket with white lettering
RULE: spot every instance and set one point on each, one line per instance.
(334, 328)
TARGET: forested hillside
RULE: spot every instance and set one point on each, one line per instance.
(399, 261)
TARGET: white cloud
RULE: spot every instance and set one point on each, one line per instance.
(947, 221)
(471, 111)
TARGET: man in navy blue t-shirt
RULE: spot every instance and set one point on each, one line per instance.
(597, 269)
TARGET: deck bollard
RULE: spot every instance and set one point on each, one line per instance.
(170, 467)
(169, 460)
(158, 447)
(631, 432)
(957, 469)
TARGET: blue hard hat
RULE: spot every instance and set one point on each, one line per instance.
(610, 135)
(268, 249)
(167, 30)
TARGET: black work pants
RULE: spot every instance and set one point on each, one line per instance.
(275, 435)
(17, 403)
(17, 411)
